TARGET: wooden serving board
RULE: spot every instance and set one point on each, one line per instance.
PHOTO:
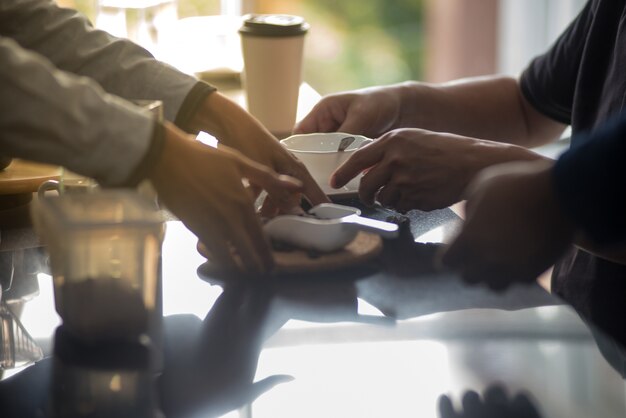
(25, 176)
(364, 247)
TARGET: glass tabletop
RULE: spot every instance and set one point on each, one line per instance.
(385, 339)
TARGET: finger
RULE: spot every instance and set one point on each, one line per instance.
(288, 164)
(320, 119)
(250, 242)
(308, 124)
(496, 394)
(252, 192)
(218, 252)
(204, 251)
(246, 234)
(404, 204)
(312, 191)
(471, 403)
(388, 196)
(446, 409)
(268, 209)
(282, 189)
(279, 186)
(255, 191)
(361, 160)
(353, 124)
(377, 177)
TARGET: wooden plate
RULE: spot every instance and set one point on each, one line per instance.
(364, 247)
(25, 176)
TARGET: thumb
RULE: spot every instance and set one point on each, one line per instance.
(306, 126)
(320, 119)
(353, 124)
(284, 195)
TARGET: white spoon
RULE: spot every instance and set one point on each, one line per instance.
(334, 227)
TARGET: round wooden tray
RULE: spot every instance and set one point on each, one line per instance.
(25, 177)
(364, 247)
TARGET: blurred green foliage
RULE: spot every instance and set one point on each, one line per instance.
(356, 43)
(352, 43)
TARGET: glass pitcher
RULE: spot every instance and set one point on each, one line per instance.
(105, 260)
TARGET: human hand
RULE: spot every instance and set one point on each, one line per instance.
(413, 169)
(236, 128)
(495, 404)
(514, 229)
(370, 112)
(203, 187)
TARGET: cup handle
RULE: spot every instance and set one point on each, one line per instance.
(46, 186)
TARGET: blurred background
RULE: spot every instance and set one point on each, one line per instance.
(352, 43)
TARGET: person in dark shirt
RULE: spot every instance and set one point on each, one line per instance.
(544, 206)
(433, 139)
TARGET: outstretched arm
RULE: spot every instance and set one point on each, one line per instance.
(236, 128)
(491, 108)
(55, 117)
(50, 116)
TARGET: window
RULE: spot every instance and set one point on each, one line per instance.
(528, 27)
(355, 43)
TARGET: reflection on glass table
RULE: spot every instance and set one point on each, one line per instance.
(384, 339)
(17, 347)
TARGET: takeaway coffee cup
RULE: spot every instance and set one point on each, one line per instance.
(272, 47)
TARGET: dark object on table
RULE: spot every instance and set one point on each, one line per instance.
(4, 162)
(102, 381)
(399, 219)
(495, 403)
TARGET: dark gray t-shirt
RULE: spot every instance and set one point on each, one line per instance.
(581, 81)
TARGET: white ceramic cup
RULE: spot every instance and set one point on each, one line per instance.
(320, 154)
(272, 47)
